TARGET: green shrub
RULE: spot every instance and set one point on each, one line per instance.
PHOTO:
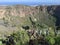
(0, 42)
(51, 40)
(21, 37)
(57, 40)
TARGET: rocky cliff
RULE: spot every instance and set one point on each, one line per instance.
(41, 13)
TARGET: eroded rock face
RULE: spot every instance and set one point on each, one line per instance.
(26, 10)
(21, 10)
(17, 10)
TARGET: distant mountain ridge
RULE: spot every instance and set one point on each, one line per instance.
(22, 10)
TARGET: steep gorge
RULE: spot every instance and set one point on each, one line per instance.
(19, 15)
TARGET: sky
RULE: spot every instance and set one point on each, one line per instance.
(30, 2)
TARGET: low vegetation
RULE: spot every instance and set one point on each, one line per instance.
(38, 29)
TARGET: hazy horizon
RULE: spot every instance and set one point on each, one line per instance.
(30, 2)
